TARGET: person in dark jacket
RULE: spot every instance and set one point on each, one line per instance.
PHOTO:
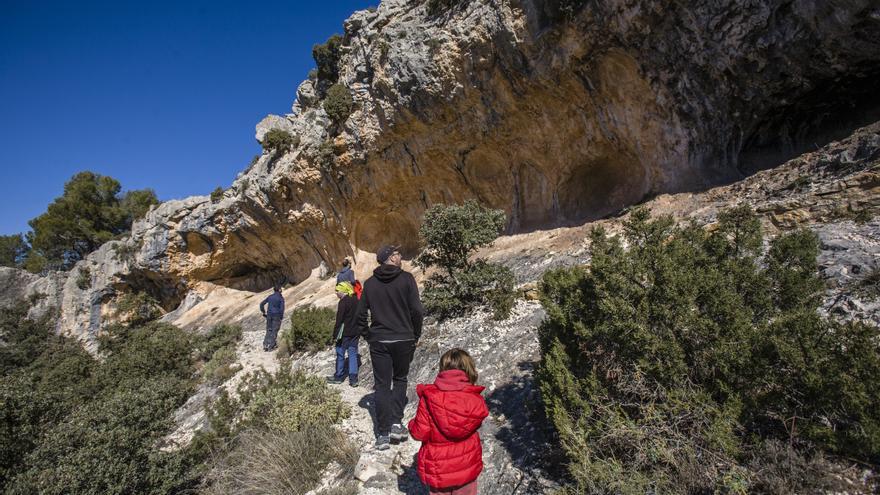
(391, 297)
(346, 334)
(273, 317)
(346, 274)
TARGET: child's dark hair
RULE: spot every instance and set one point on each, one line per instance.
(459, 359)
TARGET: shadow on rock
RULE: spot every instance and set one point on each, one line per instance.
(523, 429)
(368, 402)
(408, 482)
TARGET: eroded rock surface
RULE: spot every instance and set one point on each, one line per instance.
(556, 112)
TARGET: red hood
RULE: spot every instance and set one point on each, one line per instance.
(455, 404)
(453, 380)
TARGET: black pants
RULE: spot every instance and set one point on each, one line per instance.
(390, 370)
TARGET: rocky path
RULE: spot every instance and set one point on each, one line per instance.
(377, 472)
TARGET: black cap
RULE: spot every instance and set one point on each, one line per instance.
(385, 252)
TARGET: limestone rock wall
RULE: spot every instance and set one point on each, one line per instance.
(557, 111)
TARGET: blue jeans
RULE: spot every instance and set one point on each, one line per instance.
(349, 345)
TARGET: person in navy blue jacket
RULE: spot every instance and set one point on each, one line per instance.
(346, 274)
(273, 317)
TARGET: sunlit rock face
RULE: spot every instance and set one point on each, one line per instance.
(558, 112)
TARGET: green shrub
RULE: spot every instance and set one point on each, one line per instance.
(124, 251)
(21, 339)
(71, 424)
(450, 235)
(217, 338)
(217, 349)
(325, 155)
(283, 402)
(108, 445)
(217, 194)
(326, 57)
(289, 402)
(280, 141)
(137, 308)
(156, 349)
(221, 366)
(276, 436)
(310, 329)
(338, 104)
(688, 345)
(483, 283)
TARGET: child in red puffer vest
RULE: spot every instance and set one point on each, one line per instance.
(450, 412)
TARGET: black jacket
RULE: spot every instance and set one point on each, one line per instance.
(346, 313)
(392, 299)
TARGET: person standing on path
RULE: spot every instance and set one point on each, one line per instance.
(346, 335)
(273, 317)
(391, 297)
(450, 412)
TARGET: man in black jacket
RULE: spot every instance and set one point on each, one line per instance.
(392, 299)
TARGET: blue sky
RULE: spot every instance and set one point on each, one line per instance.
(156, 94)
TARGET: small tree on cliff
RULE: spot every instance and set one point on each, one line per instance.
(326, 57)
(279, 140)
(450, 234)
(90, 212)
(338, 103)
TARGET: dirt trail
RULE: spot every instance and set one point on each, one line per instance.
(378, 472)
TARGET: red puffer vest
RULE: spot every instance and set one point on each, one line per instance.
(449, 415)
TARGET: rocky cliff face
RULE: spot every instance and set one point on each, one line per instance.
(557, 111)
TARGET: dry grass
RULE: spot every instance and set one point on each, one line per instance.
(270, 463)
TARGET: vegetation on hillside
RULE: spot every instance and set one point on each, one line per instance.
(688, 361)
(338, 104)
(310, 329)
(70, 423)
(91, 211)
(276, 436)
(279, 141)
(451, 234)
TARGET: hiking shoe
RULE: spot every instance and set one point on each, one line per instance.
(383, 442)
(399, 433)
(353, 383)
(333, 379)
